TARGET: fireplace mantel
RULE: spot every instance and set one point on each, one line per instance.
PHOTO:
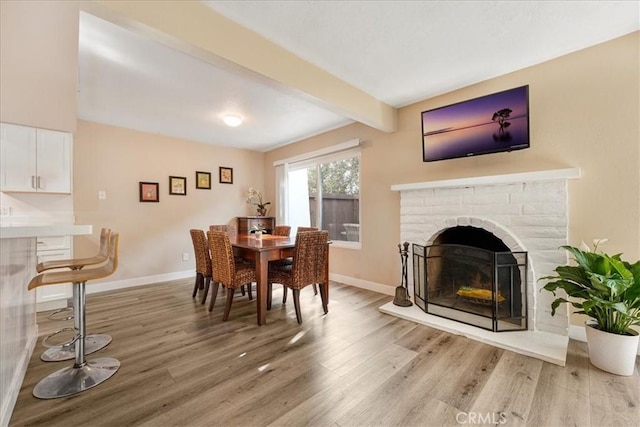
(546, 175)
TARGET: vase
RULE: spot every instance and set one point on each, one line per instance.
(261, 211)
(611, 352)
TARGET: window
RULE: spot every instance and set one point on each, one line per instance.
(322, 191)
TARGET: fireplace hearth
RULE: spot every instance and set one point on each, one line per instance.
(469, 275)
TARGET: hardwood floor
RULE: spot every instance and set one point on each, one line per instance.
(183, 366)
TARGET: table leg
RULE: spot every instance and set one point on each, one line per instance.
(326, 277)
(262, 271)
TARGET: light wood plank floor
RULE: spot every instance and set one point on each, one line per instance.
(183, 366)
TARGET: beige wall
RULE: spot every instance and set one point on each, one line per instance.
(153, 236)
(39, 63)
(584, 111)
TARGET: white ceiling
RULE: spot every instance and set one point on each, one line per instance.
(399, 52)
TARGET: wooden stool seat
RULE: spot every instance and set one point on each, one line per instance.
(84, 374)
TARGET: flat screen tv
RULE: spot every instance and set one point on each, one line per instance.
(489, 124)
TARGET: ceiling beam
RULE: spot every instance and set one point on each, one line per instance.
(196, 29)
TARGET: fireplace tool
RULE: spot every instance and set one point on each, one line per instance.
(402, 291)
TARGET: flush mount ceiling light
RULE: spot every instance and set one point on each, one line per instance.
(232, 120)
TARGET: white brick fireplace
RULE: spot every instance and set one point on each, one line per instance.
(528, 212)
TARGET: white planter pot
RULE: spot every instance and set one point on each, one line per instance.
(612, 352)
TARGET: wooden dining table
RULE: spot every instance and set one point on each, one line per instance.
(262, 250)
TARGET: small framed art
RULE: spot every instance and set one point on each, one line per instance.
(226, 175)
(203, 180)
(149, 192)
(178, 185)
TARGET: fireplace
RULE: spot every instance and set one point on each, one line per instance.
(527, 212)
(470, 276)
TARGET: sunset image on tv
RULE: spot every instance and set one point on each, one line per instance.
(492, 123)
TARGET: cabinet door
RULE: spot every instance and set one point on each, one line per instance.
(17, 158)
(53, 161)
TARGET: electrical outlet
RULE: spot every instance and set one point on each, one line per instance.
(185, 256)
(5, 211)
(102, 195)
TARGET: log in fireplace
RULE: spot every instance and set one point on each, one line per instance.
(470, 276)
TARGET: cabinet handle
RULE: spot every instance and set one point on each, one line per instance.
(33, 181)
(39, 182)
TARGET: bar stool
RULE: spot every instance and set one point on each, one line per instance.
(93, 342)
(84, 374)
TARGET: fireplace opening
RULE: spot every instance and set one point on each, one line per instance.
(469, 275)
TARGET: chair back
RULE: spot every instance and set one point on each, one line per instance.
(201, 252)
(282, 230)
(105, 235)
(310, 257)
(57, 277)
(224, 267)
(79, 263)
(304, 229)
(231, 229)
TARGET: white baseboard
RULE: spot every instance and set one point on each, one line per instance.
(578, 333)
(364, 284)
(145, 280)
(9, 401)
(137, 281)
(51, 305)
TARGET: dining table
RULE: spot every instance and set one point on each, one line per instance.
(261, 250)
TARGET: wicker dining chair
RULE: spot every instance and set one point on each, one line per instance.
(282, 230)
(232, 231)
(226, 271)
(308, 268)
(283, 263)
(203, 263)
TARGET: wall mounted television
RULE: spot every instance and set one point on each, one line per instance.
(489, 124)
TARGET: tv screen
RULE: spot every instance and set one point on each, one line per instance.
(489, 124)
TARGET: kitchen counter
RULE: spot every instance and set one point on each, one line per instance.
(18, 231)
(18, 329)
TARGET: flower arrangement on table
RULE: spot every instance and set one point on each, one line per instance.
(254, 198)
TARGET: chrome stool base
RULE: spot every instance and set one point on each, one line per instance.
(93, 343)
(72, 380)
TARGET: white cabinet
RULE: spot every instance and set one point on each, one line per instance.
(53, 249)
(34, 160)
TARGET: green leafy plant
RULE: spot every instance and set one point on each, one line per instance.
(602, 286)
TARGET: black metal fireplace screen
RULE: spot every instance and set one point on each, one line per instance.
(472, 285)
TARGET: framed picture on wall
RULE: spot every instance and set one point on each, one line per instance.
(149, 192)
(203, 180)
(178, 185)
(226, 175)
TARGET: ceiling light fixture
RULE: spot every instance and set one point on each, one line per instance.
(232, 120)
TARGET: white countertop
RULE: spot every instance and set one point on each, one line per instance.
(18, 231)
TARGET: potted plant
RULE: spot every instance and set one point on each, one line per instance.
(258, 231)
(607, 289)
(254, 197)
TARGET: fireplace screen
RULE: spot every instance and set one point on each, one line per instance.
(472, 285)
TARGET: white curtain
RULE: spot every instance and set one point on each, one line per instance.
(282, 172)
